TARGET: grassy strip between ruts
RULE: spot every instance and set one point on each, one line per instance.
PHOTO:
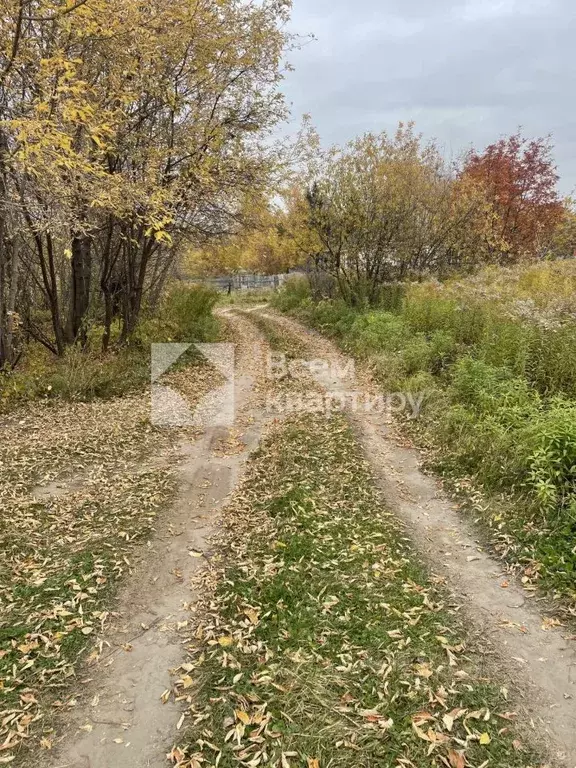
(280, 341)
(325, 644)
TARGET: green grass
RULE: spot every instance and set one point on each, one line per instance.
(325, 640)
(185, 315)
(500, 410)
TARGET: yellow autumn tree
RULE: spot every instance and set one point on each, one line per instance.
(128, 127)
(272, 237)
(386, 208)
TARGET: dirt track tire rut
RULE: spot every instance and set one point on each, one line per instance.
(520, 648)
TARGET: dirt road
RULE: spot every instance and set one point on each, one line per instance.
(519, 644)
(128, 716)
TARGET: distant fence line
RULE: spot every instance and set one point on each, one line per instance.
(247, 282)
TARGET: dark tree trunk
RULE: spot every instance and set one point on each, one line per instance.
(81, 278)
(4, 350)
(109, 283)
(136, 270)
(108, 317)
(51, 283)
(11, 303)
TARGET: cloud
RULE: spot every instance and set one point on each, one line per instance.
(468, 71)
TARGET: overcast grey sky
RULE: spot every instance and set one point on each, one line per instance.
(466, 71)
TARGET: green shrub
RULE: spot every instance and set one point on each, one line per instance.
(501, 430)
(295, 291)
(377, 331)
(426, 312)
(334, 318)
(487, 389)
(506, 342)
(388, 368)
(469, 445)
(424, 386)
(417, 354)
(187, 310)
(85, 376)
(551, 366)
(548, 444)
(444, 350)
(29, 380)
(391, 297)
(542, 352)
(78, 375)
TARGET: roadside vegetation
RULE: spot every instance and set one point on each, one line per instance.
(457, 280)
(388, 207)
(127, 132)
(83, 478)
(84, 373)
(325, 643)
(496, 356)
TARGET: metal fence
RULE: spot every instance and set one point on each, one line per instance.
(248, 282)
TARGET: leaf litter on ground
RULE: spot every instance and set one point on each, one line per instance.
(322, 642)
(80, 485)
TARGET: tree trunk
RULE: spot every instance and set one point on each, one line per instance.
(11, 302)
(135, 282)
(81, 277)
(51, 284)
(4, 350)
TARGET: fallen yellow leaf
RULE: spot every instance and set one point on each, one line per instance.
(244, 717)
(423, 670)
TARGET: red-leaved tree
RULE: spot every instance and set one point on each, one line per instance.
(520, 179)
